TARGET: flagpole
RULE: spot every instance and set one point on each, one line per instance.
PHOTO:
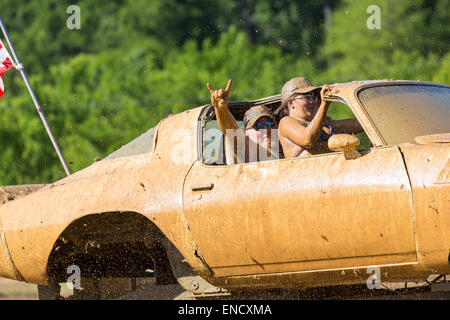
(19, 67)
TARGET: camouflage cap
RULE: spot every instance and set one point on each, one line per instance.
(256, 112)
(296, 85)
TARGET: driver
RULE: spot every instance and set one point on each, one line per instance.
(306, 130)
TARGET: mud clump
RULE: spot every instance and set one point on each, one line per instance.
(10, 193)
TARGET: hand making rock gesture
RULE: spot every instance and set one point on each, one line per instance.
(219, 98)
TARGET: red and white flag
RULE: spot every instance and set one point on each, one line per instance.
(5, 65)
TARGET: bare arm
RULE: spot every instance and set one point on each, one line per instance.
(219, 99)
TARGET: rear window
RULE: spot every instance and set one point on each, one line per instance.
(140, 145)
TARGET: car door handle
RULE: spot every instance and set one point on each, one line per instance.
(203, 187)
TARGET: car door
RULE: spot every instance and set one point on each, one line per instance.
(313, 213)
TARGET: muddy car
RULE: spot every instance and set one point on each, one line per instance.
(166, 206)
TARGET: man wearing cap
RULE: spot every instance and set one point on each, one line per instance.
(258, 122)
(305, 131)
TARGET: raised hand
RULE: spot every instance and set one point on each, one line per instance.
(326, 89)
(219, 98)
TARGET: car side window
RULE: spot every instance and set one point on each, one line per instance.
(339, 111)
(213, 143)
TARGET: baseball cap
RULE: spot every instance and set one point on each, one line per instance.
(296, 85)
(256, 112)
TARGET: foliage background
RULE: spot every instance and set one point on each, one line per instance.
(134, 61)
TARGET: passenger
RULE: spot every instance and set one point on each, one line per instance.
(306, 130)
(258, 123)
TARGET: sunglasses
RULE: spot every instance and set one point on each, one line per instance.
(306, 96)
(260, 125)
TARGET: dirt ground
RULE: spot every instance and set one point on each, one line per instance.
(15, 290)
(146, 289)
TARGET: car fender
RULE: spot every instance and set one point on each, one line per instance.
(428, 167)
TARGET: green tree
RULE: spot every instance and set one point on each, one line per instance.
(443, 73)
(133, 62)
(401, 48)
(97, 102)
(39, 32)
(295, 26)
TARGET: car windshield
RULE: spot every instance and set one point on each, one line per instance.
(403, 112)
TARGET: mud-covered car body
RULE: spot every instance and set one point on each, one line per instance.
(298, 222)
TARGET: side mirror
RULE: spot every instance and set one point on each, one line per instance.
(346, 143)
